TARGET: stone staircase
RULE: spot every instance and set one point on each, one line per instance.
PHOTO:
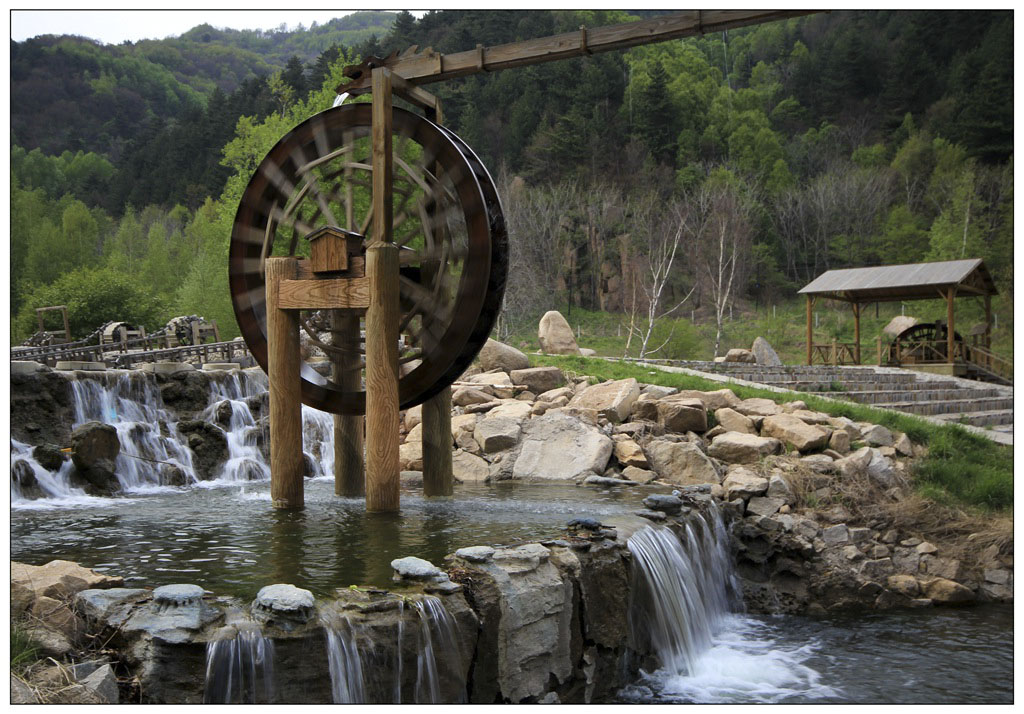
(951, 399)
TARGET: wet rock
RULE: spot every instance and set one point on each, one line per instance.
(794, 431)
(539, 379)
(476, 553)
(613, 399)
(742, 448)
(555, 335)
(23, 476)
(498, 355)
(49, 456)
(111, 606)
(284, 605)
(681, 463)
(209, 446)
(656, 516)
(94, 444)
(663, 502)
(607, 481)
(171, 475)
(559, 446)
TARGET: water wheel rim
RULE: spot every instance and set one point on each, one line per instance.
(474, 313)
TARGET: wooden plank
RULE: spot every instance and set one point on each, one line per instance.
(285, 387)
(325, 294)
(356, 269)
(434, 67)
(413, 94)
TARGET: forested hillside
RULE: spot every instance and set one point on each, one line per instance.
(761, 157)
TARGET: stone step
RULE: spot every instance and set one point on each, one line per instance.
(998, 419)
(956, 406)
(851, 387)
(919, 395)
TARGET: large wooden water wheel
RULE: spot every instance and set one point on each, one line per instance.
(448, 226)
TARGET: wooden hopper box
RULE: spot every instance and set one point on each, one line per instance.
(330, 247)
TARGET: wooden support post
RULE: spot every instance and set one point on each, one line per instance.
(349, 479)
(835, 352)
(950, 341)
(437, 444)
(988, 322)
(382, 315)
(286, 460)
(878, 341)
(810, 335)
(856, 332)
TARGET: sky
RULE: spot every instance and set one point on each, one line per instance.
(116, 26)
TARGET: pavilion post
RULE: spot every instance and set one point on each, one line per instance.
(810, 336)
(950, 341)
(988, 322)
(856, 332)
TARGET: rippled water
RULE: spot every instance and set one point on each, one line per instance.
(230, 541)
(928, 656)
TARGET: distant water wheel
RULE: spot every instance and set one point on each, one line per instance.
(448, 225)
(924, 342)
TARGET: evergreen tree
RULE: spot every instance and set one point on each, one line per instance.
(657, 122)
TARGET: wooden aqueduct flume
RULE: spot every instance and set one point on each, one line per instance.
(407, 258)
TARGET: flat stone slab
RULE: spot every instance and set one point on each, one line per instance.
(476, 553)
(222, 367)
(75, 365)
(166, 367)
(26, 367)
(415, 568)
(177, 595)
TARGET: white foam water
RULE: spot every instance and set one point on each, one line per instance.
(344, 660)
(239, 666)
(54, 489)
(682, 594)
(438, 652)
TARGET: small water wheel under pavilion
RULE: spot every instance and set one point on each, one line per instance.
(935, 346)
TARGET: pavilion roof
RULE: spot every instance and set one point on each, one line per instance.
(913, 281)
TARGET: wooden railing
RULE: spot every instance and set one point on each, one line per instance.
(988, 360)
(834, 353)
(925, 352)
(117, 355)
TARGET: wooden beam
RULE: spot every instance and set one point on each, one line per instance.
(325, 294)
(430, 66)
(382, 315)
(349, 477)
(285, 387)
(414, 95)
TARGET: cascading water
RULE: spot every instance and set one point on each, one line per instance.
(150, 443)
(438, 652)
(344, 661)
(31, 483)
(683, 600)
(245, 462)
(239, 666)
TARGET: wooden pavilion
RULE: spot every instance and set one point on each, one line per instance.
(947, 280)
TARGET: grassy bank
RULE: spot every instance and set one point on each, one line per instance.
(691, 335)
(961, 468)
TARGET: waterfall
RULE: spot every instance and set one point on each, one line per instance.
(344, 661)
(438, 652)
(684, 599)
(239, 666)
(32, 483)
(245, 462)
(150, 443)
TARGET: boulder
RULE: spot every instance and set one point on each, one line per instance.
(681, 463)
(209, 446)
(467, 467)
(905, 585)
(613, 399)
(465, 396)
(855, 464)
(764, 354)
(628, 452)
(556, 336)
(554, 394)
(94, 444)
(763, 506)
(743, 483)
(778, 487)
(463, 423)
(559, 446)
(498, 355)
(793, 431)
(732, 420)
(58, 579)
(840, 441)
(638, 475)
(876, 435)
(756, 406)
(539, 379)
(740, 355)
(682, 414)
(496, 433)
(413, 417)
(410, 456)
(23, 476)
(737, 448)
(514, 409)
(880, 470)
(49, 456)
(903, 445)
(946, 592)
(656, 391)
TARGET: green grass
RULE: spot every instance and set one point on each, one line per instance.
(961, 468)
(24, 650)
